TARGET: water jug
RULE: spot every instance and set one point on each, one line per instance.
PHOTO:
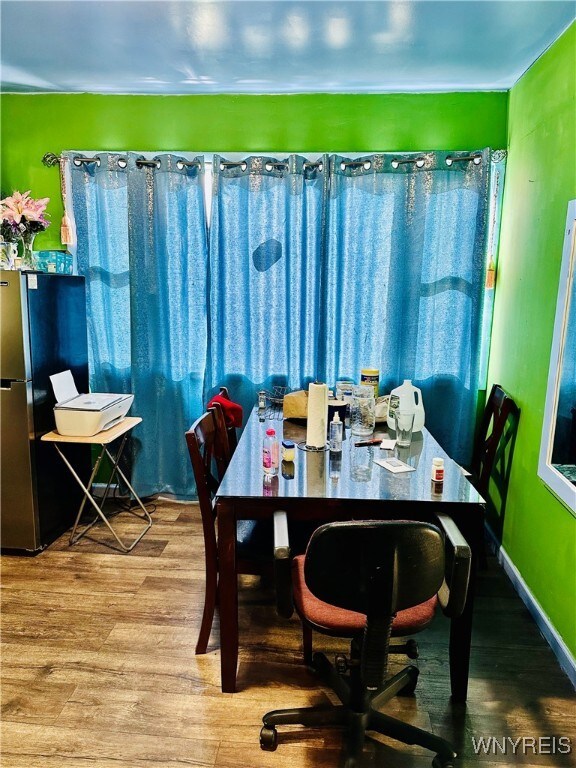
(407, 397)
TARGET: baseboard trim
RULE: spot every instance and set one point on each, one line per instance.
(549, 632)
(114, 492)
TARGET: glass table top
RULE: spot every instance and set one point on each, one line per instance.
(352, 474)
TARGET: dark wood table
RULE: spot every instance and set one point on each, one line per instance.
(363, 490)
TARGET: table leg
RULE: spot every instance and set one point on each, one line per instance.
(227, 595)
(460, 642)
(472, 528)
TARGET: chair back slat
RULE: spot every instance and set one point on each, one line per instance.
(493, 448)
(375, 567)
(226, 437)
(209, 456)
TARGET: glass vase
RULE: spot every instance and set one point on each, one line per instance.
(28, 258)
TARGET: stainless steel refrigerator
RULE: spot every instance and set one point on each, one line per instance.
(43, 327)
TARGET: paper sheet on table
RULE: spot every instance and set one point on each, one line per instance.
(394, 465)
(63, 386)
(387, 445)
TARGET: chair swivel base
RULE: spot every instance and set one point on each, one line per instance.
(357, 723)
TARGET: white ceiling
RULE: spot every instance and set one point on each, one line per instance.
(273, 46)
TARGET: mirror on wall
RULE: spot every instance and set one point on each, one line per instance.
(557, 464)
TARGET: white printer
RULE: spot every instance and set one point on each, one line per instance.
(85, 415)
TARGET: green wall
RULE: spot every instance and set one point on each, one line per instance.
(539, 532)
(35, 124)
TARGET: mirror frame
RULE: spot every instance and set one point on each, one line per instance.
(556, 482)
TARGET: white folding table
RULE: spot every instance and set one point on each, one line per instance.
(103, 439)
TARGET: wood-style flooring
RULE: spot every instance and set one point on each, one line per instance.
(98, 667)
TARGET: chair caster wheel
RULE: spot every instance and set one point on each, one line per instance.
(443, 762)
(411, 649)
(320, 664)
(268, 738)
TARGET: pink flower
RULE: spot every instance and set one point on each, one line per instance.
(21, 206)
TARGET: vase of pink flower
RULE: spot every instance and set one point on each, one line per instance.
(22, 219)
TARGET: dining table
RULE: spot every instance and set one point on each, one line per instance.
(321, 487)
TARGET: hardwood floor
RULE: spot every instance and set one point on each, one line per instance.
(98, 668)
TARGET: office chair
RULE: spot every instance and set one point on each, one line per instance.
(358, 579)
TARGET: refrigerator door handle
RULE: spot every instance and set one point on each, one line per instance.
(7, 383)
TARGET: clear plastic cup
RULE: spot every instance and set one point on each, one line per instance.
(404, 425)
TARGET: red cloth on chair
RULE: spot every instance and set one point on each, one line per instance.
(232, 411)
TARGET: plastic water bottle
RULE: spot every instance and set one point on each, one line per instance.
(270, 452)
(336, 434)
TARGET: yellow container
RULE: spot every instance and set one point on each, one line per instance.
(370, 377)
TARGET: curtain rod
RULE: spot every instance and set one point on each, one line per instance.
(476, 159)
(419, 162)
(269, 164)
(51, 159)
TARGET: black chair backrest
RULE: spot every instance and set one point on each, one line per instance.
(494, 445)
(375, 567)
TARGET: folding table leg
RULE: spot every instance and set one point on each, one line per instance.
(86, 494)
(118, 471)
(99, 508)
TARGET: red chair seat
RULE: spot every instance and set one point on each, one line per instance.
(343, 623)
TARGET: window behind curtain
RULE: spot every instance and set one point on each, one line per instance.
(392, 272)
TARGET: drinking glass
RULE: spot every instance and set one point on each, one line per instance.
(363, 411)
(361, 460)
(404, 424)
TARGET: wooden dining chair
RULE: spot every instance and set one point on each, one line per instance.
(210, 456)
(493, 451)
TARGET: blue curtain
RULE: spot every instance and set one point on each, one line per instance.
(266, 254)
(142, 246)
(405, 271)
(315, 270)
(100, 203)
